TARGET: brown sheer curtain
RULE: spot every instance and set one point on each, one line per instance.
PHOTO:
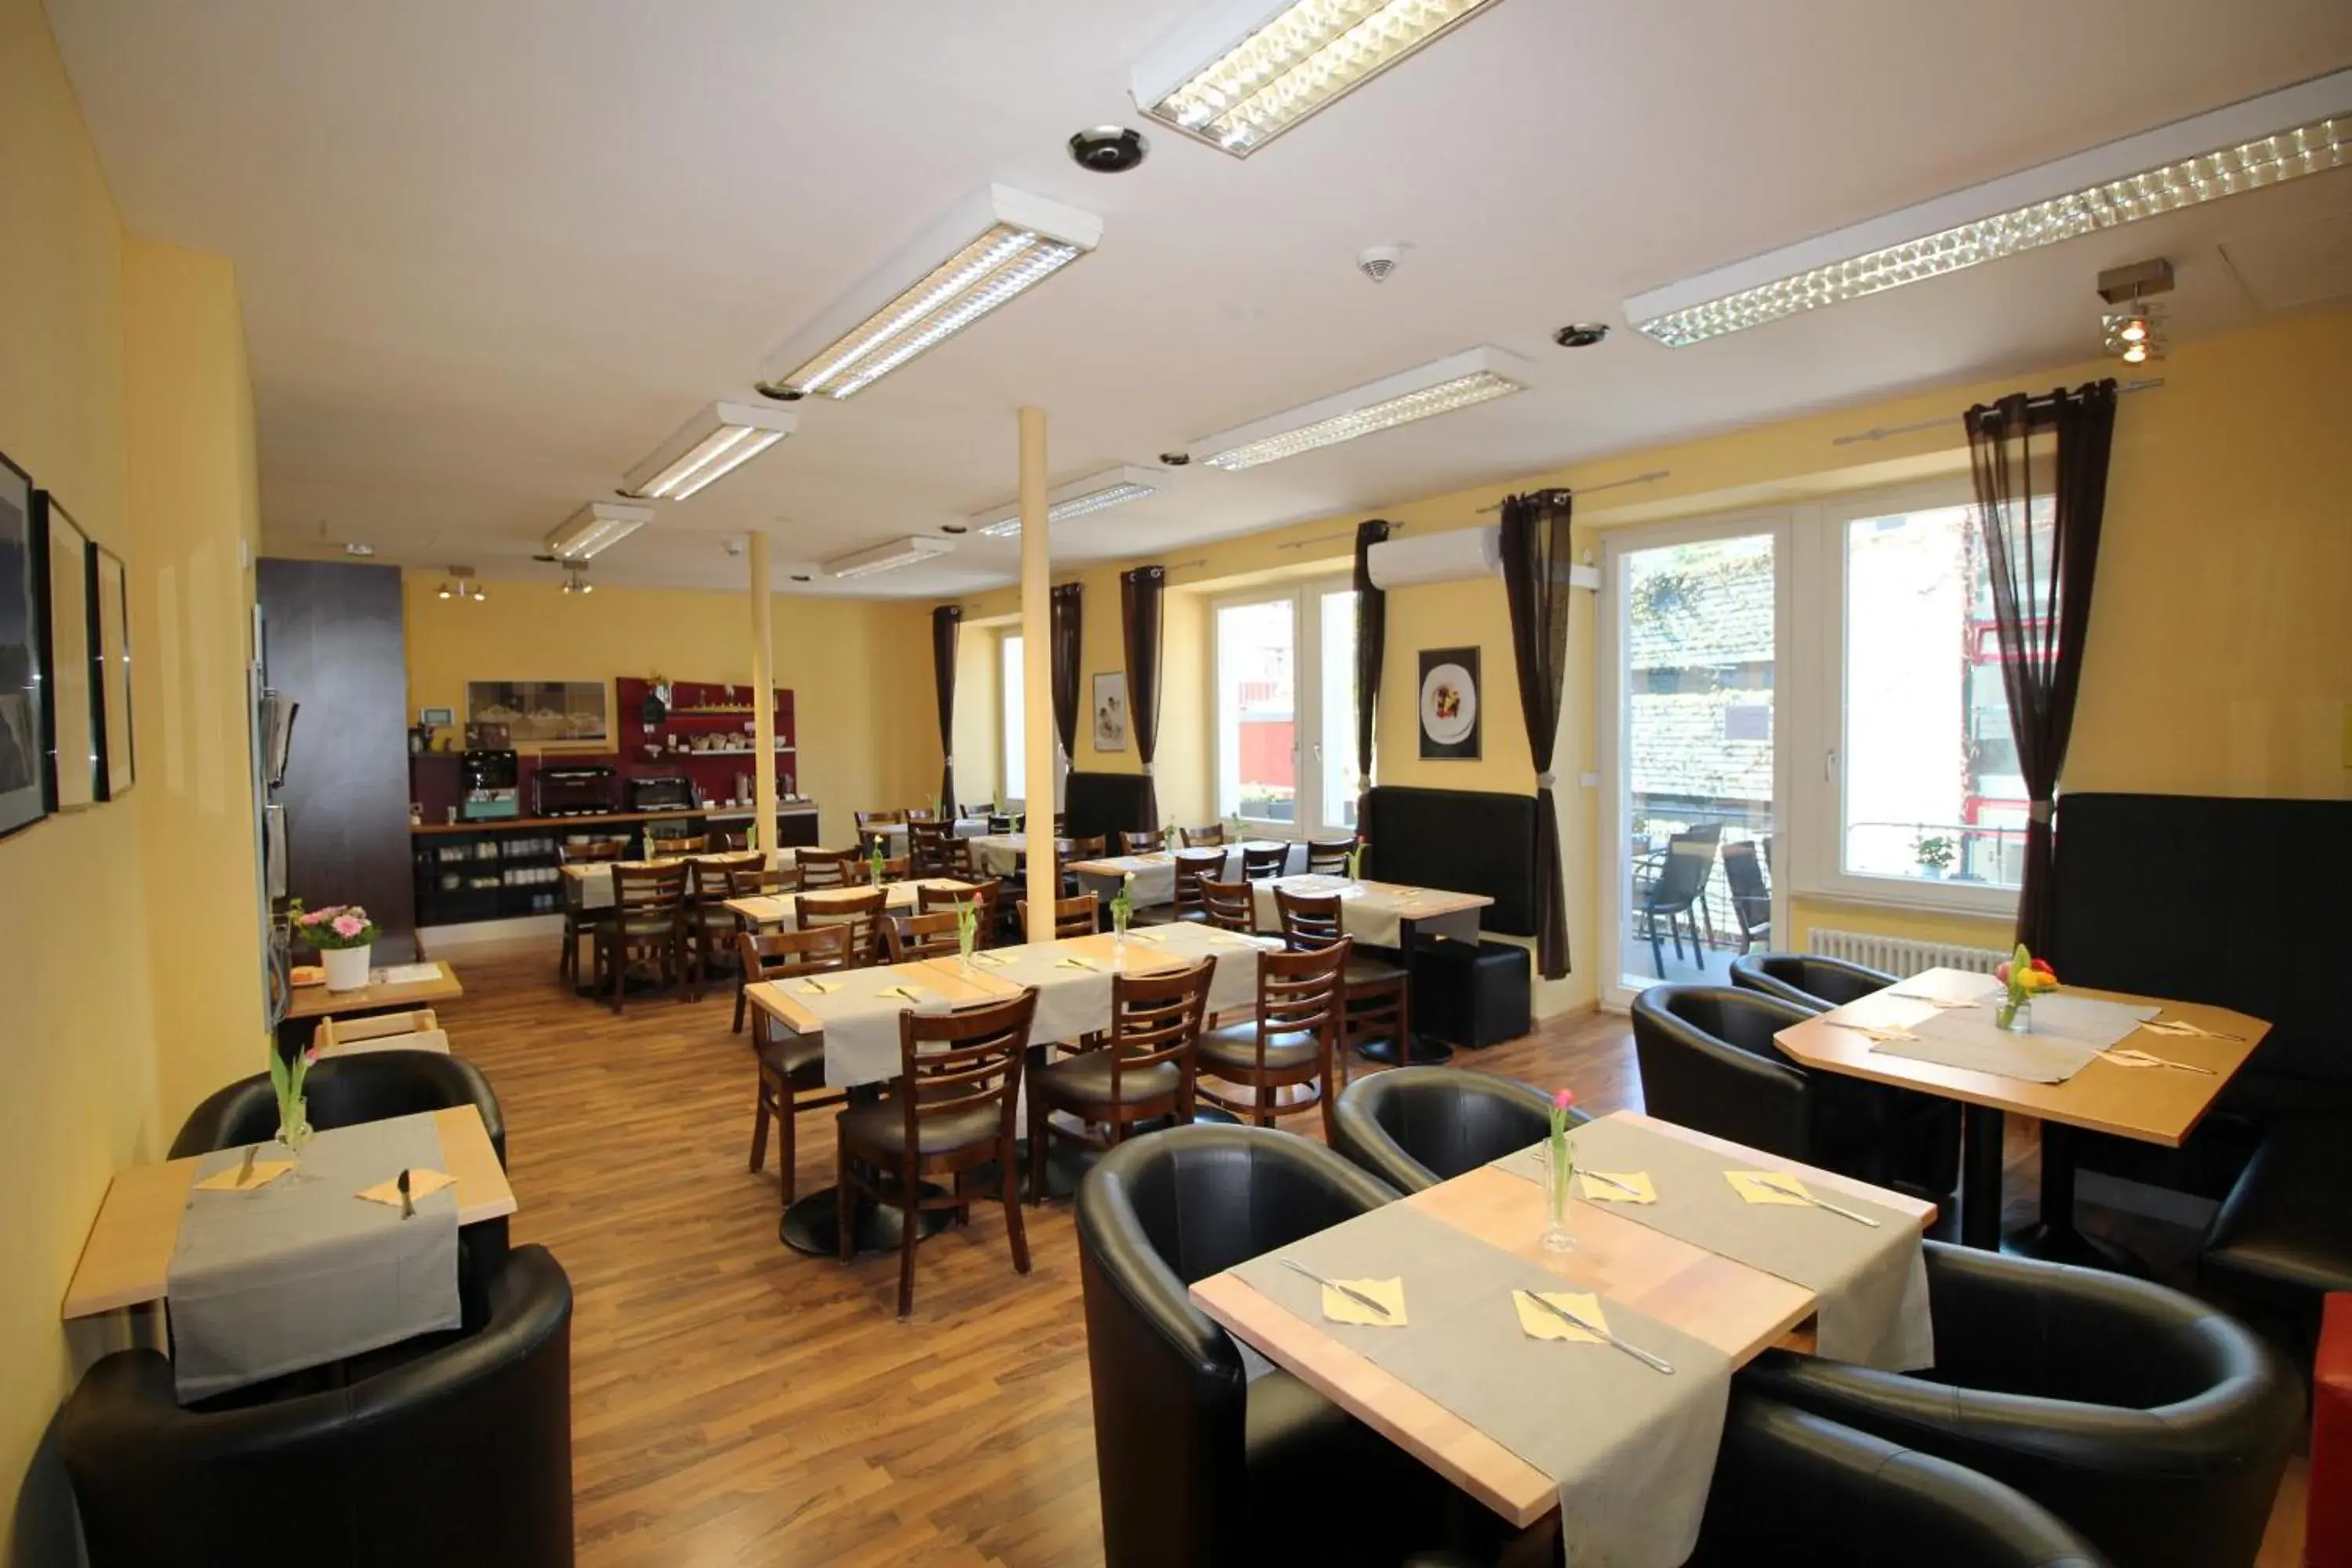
(1140, 593)
(1536, 562)
(946, 621)
(1068, 603)
(2041, 468)
(1371, 648)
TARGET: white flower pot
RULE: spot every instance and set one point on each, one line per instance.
(347, 967)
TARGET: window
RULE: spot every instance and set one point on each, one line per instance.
(1285, 710)
(1012, 694)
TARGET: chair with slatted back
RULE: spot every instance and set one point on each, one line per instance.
(792, 1070)
(733, 841)
(861, 874)
(749, 880)
(579, 919)
(1145, 1068)
(926, 847)
(1191, 866)
(1231, 905)
(869, 820)
(683, 843)
(1144, 843)
(1212, 836)
(710, 925)
(911, 937)
(1093, 848)
(1072, 916)
(914, 813)
(1061, 825)
(648, 922)
(1378, 993)
(987, 892)
(950, 1112)
(1328, 856)
(956, 861)
(821, 869)
(859, 909)
(1293, 1042)
(1001, 822)
(1264, 863)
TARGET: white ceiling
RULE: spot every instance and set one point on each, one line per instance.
(492, 254)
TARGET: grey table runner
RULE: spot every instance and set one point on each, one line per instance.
(1631, 1450)
(1073, 991)
(304, 1271)
(860, 1009)
(2068, 1032)
(1873, 1284)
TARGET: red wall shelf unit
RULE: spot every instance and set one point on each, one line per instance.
(705, 734)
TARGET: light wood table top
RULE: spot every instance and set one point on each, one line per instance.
(948, 977)
(318, 1002)
(602, 870)
(128, 1257)
(2153, 1105)
(1738, 1309)
(776, 910)
(1408, 902)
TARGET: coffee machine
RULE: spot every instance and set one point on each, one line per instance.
(488, 780)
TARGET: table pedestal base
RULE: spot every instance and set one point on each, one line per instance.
(813, 1224)
(2054, 1238)
(1424, 1052)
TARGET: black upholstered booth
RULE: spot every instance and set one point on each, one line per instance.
(454, 1451)
(1103, 805)
(2147, 1420)
(1416, 1127)
(1466, 841)
(2283, 1239)
(1811, 981)
(1199, 1463)
(368, 1086)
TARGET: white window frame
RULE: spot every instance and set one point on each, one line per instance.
(1306, 599)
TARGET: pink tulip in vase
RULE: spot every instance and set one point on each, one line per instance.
(344, 937)
(1559, 1172)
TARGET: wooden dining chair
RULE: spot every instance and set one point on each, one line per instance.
(754, 880)
(1061, 825)
(649, 922)
(1231, 905)
(1377, 993)
(1264, 864)
(1203, 837)
(733, 840)
(911, 937)
(792, 1068)
(914, 813)
(956, 861)
(926, 847)
(872, 819)
(988, 893)
(1001, 822)
(1072, 916)
(710, 924)
(1146, 1067)
(1292, 1044)
(859, 909)
(825, 868)
(1093, 848)
(1328, 856)
(861, 874)
(1191, 866)
(950, 1112)
(1144, 843)
(579, 919)
(684, 844)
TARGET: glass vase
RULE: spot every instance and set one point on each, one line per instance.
(294, 1122)
(2016, 1016)
(1559, 1175)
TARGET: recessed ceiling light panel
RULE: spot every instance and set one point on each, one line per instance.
(888, 557)
(716, 442)
(1459, 381)
(2265, 141)
(1112, 487)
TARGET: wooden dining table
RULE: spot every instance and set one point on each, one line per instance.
(2160, 1105)
(1385, 914)
(1738, 1309)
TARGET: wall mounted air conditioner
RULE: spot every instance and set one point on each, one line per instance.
(1455, 555)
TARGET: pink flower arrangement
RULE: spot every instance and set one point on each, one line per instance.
(333, 927)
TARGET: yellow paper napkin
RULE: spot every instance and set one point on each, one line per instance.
(1750, 1185)
(1598, 1190)
(422, 1184)
(1343, 1309)
(1542, 1325)
(264, 1173)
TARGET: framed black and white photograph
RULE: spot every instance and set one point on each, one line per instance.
(1110, 712)
(66, 702)
(24, 733)
(110, 614)
(1449, 703)
(539, 712)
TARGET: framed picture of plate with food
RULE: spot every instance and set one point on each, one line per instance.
(23, 647)
(1449, 703)
(541, 712)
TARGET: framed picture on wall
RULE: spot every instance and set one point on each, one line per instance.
(24, 731)
(1110, 712)
(1449, 703)
(64, 565)
(110, 614)
(541, 712)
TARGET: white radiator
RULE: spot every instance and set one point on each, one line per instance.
(1901, 956)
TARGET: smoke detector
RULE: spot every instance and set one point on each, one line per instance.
(1378, 261)
(1108, 149)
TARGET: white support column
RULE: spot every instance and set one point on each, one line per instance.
(763, 703)
(1036, 676)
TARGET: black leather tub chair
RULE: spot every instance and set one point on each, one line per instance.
(1199, 1464)
(370, 1085)
(1818, 983)
(1415, 1127)
(2152, 1424)
(453, 1451)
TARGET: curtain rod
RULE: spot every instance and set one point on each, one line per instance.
(1328, 538)
(1652, 477)
(1881, 432)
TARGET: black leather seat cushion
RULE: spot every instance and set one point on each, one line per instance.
(1236, 1044)
(1414, 1127)
(1085, 1078)
(879, 1126)
(2285, 1232)
(344, 1091)
(796, 1057)
(1373, 972)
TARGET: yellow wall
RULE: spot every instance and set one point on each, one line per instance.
(859, 670)
(978, 747)
(122, 388)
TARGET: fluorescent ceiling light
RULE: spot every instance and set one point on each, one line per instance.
(888, 557)
(707, 448)
(595, 527)
(1456, 382)
(1093, 493)
(1235, 78)
(2264, 140)
(997, 247)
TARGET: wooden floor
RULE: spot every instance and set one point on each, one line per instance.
(735, 1403)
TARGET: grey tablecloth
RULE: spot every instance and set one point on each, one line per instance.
(1373, 913)
(2067, 1033)
(1234, 987)
(860, 1009)
(1633, 1450)
(1873, 1284)
(1073, 992)
(303, 1271)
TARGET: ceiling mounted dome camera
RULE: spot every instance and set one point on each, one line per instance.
(1580, 334)
(1108, 149)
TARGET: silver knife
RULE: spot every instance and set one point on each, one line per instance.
(245, 1171)
(1347, 1290)
(1597, 1331)
(1625, 1188)
(407, 1203)
(1770, 1185)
